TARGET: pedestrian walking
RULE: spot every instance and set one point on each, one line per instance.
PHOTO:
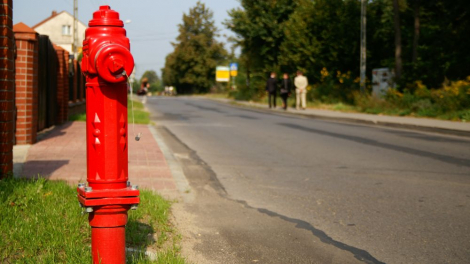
(144, 87)
(301, 84)
(286, 86)
(271, 89)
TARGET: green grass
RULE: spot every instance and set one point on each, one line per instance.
(78, 117)
(371, 106)
(141, 116)
(41, 222)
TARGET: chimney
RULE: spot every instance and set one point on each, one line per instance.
(54, 13)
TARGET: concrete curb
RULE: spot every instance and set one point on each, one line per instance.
(341, 117)
(20, 153)
(176, 170)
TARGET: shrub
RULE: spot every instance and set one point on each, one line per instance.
(453, 96)
(335, 88)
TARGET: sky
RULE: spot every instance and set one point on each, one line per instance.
(153, 26)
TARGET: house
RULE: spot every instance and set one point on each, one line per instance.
(59, 27)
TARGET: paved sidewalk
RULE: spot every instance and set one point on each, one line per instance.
(425, 124)
(61, 155)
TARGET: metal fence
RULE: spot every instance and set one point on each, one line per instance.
(47, 83)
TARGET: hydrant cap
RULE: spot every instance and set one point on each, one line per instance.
(105, 17)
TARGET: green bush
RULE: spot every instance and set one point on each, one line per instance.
(254, 91)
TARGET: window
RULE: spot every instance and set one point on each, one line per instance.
(66, 30)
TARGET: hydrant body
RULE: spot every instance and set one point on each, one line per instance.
(106, 63)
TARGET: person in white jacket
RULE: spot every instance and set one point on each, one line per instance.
(301, 84)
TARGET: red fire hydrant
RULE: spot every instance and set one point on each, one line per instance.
(106, 63)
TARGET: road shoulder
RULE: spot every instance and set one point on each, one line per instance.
(413, 123)
(218, 229)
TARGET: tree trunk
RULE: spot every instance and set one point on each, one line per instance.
(416, 34)
(247, 66)
(398, 62)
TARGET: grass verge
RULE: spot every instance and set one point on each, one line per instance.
(41, 222)
(141, 116)
(371, 106)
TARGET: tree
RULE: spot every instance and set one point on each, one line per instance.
(416, 9)
(396, 21)
(424, 40)
(259, 27)
(191, 66)
(312, 41)
(151, 76)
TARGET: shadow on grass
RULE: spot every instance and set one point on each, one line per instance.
(139, 235)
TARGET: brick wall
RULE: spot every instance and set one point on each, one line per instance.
(62, 84)
(7, 87)
(26, 84)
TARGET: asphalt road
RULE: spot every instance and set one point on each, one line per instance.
(274, 188)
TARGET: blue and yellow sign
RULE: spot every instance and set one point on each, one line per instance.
(233, 69)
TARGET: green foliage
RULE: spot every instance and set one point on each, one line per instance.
(259, 30)
(191, 66)
(312, 41)
(443, 44)
(452, 101)
(254, 91)
(152, 78)
(285, 36)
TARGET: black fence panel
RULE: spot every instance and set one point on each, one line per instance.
(52, 108)
(47, 83)
(78, 78)
(71, 77)
(42, 83)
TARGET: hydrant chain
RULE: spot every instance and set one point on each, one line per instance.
(137, 138)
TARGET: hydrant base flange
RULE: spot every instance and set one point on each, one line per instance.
(124, 196)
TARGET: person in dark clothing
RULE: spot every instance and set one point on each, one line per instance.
(144, 87)
(286, 85)
(271, 88)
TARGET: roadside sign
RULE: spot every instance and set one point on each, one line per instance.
(382, 80)
(222, 74)
(233, 69)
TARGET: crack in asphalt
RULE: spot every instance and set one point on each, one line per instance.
(359, 254)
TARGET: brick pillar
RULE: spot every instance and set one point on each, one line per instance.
(26, 83)
(62, 84)
(7, 87)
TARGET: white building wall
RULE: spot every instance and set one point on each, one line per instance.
(53, 28)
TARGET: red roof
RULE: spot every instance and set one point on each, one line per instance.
(21, 27)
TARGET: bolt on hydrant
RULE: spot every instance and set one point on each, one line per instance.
(106, 63)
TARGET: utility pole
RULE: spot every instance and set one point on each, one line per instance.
(363, 45)
(75, 28)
